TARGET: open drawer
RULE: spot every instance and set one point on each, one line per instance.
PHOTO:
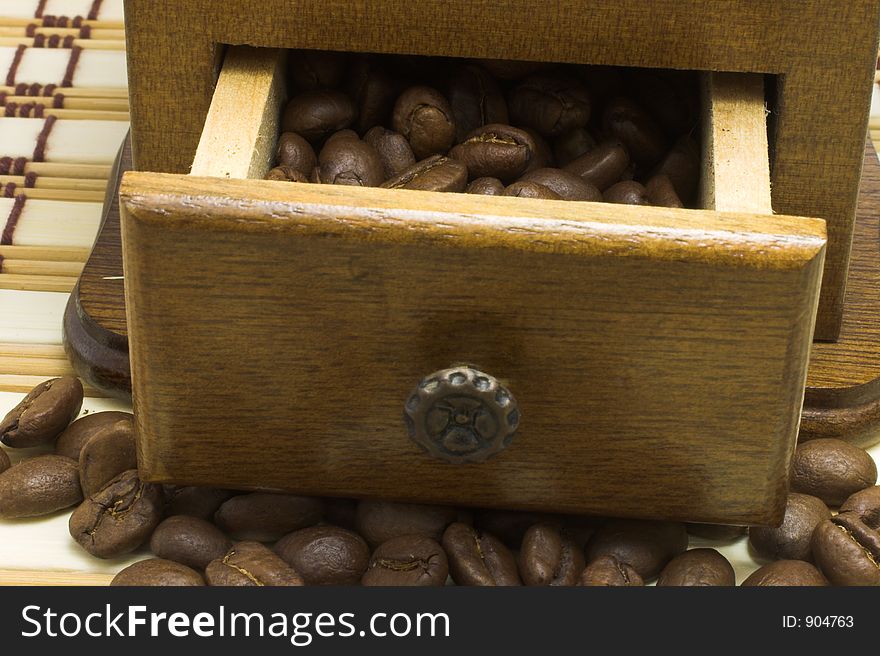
(657, 356)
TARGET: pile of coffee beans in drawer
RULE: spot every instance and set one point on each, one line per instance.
(499, 128)
(224, 537)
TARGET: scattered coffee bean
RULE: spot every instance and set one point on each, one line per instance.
(315, 115)
(109, 452)
(249, 564)
(350, 161)
(646, 545)
(286, 174)
(786, 573)
(660, 192)
(486, 187)
(610, 572)
(266, 517)
(423, 116)
(380, 521)
(74, 437)
(549, 557)
(866, 504)
(157, 572)
(569, 146)
(682, 166)
(325, 555)
(550, 104)
(698, 567)
(603, 166)
(626, 192)
(530, 190)
(625, 120)
(316, 69)
(831, 469)
(393, 150)
(478, 558)
(295, 153)
(509, 525)
(201, 502)
(505, 69)
(39, 486)
(791, 540)
(4, 461)
(437, 173)
(408, 560)
(373, 91)
(720, 532)
(476, 99)
(43, 414)
(496, 151)
(565, 184)
(847, 550)
(189, 540)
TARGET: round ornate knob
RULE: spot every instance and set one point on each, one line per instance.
(461, 415)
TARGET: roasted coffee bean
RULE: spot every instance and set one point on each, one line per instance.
(603, 166)
(119, 518)
(315, 115)
(832, 470)
(564, 183)
(530, 190)
(486, 187)
(157, 572)
(570, 145)
(509, 525)
(393, 150)
(316, 69)
(847, 550)
(477, 558)
(4, 461)
(476, 99)
(294, 152)
(543, 156)
(201, 502)
(866, 504)
(646, 545)
(791, 540)
(249, 564)
(505, 69)
(682, 166)
(380, 521)
(342, 134)
(551, 104)
(74, 437)
(189, 540)
(626, 192)
(408, 560)
(625, 120)
(660, 192)
(437, 173)
(423, 116)
(266, 517)
(109, 452)
(350, 161)
(325, 555)
(656, 92)
(373, 91)
(39, 486)
(340, 512)
(786, 573)
(698, 567)
(286, 174)
(604, 82)
(496, 151)
(549, 557)
(608, 571)
(720, 532)
(41, 416)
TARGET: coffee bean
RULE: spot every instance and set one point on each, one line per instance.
(549, 557)
(109, 452)
(478, 558)
(74, 437)
(698, 567)
(325, 555)
(437, 173)
(719, 532)
(39, 486)
(847, 550)
(286, 174)
(373, 91)
(626, 192)
(831, 469)
(505, 69)
(250, 564)
(786, 573)
(496, 151)
(564, 183)
(682, 166)
(189, 540)
(201, 502)
(660, 192)
(4, 461)
(625, 120)
(380, 521)
(339, 135)
(543, 156)
(570, 145)
(791, 540)
(486, 187)
(119, 518)
(603, 166)
(157, 572)
(423, 116)
(316, 69)
(350, 161)
(551, 104)
(315, 115)
(646, 545)
(608, 571)
(509, 525)
(530, 190)
(656, 92)
(41, 416)
(393, 150)
(476, 99)
(408, 560)
(865, 503)
(266, 517)
(294, 152)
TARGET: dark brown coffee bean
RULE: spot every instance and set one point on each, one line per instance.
(342, 134)
(646, 545)
(201, 502)
(682, 166)
(294, 152)
(373, 91)
(543, 155)
(570, 145)
(266, 517)
(41, 416)
(610, 572)
(866, 504)
(551, 104)
(157, 572)
(496, 151)
(316, 69)
(341, 512)
(380, 521)
(604, 82)
(437, 173)
(393, 150)
(249, 564)
(486, 187)
(189, 540)
(791, 540)
(719, 532)
(661, 193)
(424, 117)
(325, 555)
(626, 192)
(4, 461)
(505, 69)
(509, 525)
(655, 91)
(530, 190)
(119, 518)
(74, 437)
(39, 486)
(476, 99)
(565, 184)
(109, 452)
(832, 470)
(698, 567)
(350, 161)
(408, 560)
(847, 550)
(286, 174)
(478, 558)
(625, 120)
(549, 557)
(786, 573)
(315, 115)
(603, 166)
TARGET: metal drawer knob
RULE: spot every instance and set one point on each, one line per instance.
(461, 415)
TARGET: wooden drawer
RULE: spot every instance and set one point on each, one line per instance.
(658, 356)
